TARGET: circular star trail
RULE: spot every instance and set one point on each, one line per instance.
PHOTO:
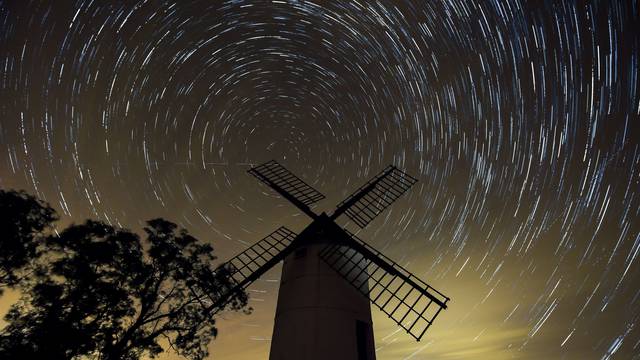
(520, 120)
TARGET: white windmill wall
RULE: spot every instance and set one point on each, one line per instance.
(319, 315)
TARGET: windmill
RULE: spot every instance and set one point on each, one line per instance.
(330, 277)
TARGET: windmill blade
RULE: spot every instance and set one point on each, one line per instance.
(375, 196)
(409, 301)
(252, 263)
(288, 185)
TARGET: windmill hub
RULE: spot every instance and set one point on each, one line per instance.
(322, 230)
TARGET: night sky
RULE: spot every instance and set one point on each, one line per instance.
(520, 119)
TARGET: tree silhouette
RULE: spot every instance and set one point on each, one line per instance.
(106, 294)
(23, 221)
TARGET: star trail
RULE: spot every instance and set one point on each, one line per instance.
(520, 119)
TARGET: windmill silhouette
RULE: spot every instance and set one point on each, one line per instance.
(330, 277)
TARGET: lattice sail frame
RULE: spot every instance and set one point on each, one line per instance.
(412, 308)
(245, 268)
(243, 265)
(272, 173)
(388, 186)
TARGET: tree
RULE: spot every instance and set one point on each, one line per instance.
(109, 295)
(24, 220)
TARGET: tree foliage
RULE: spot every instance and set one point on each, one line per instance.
(23, 223)
(105, 293)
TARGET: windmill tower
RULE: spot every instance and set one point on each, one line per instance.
(330, 277)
